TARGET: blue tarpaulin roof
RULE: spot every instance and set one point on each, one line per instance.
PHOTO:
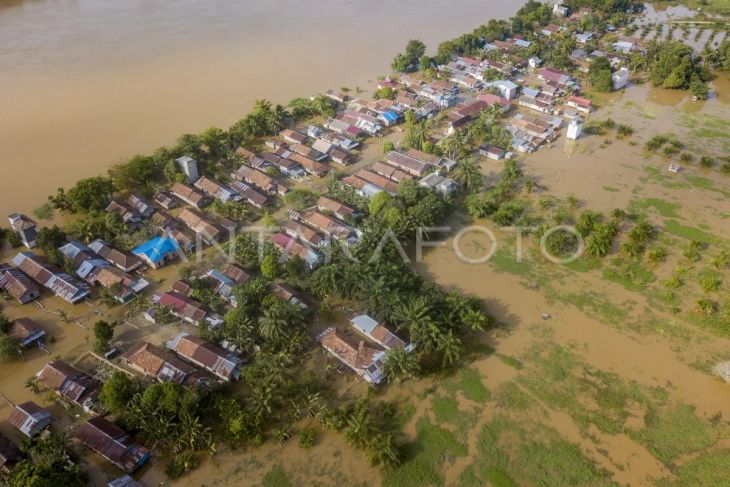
(154, 250)
(390, 116)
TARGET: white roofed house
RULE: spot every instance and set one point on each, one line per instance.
(189, 167)
(25, 228)
(443, 185)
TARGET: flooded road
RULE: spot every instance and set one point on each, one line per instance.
(86, 83)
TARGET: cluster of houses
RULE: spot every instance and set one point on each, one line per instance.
(538, 100)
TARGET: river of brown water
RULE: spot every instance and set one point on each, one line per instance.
(89, 82)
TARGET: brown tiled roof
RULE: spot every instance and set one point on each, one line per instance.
(256, 177)
(121, 259)
(304, 232)
(147, 357)
(377, 179)
(22, 328)
(187, 193)
(184, 305)
(327, 224)
(327, 203)
(408, 163)
(55, 373)
(237, 273)
(310, 165)
(16, 283)
(112, 443)
(390, 172)
(22, 411)
(198, 223)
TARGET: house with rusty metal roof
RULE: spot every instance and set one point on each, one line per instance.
(220, 362)
(17, 284)
(183, 307)
(190, 195)
(337, 208)
(29, 418)
(365, 361)
(70, 383)
(27, 332)
(200, 224)
(61, 284)
(163, 365)
(113, 443)
(123, 260)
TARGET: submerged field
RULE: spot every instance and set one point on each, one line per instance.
(615, 388)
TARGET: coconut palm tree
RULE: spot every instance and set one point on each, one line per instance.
(384, 451)
(450, 347)
(400, 365)
(359, 427)
(411, 314)
(274, 324)
(33, 384)
(456, 145)
(468, 175)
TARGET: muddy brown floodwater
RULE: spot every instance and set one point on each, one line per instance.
(86, 83)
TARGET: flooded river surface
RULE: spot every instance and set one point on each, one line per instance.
(89, 82)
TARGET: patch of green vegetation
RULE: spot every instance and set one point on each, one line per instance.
(44, 212)
(470, 384)
(276, 477)
(584, 264)
(593, 303)
(611, 189)
(707, 469)
(665, 208)
(704, 183)
(525, 453)
(564, 382)
(424, 457)
(505, 260)
(445, 409)
(512, 398)
(690, 233)
(672, 432)
(631, 274)
(655, 175)
(509, 360)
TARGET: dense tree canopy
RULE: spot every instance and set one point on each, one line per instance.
(410, 59)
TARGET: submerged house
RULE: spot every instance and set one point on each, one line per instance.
(123, 286)
(29, 418)
(223, 364)
(201, 225)
(190, 195)
(25, 228)
(185, 308)
(158, 251)
(61, 284)
(70, 383)
(123, 260)
(365, 361)
(163, 365)
(113, 443)
(18, 285)
(27, 332)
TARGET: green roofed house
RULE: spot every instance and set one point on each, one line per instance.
(158, 251)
